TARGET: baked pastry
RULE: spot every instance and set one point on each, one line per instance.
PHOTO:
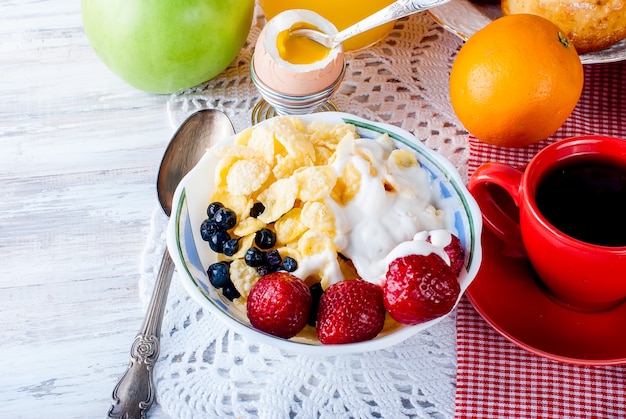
(591, 25)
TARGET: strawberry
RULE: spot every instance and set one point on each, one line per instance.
(279, 304)
(419, 288)
(455, 253)
(350, 311)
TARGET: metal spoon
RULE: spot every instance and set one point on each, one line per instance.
(394, 11)
(134, 393)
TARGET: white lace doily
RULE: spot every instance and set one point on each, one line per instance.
(206, 370)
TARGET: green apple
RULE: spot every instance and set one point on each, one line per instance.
(163, 46)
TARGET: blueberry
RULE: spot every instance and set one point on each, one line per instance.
(264, 270)
(230, 291)
(217, 240)
(219, 274)
(316, 290)
(290, 264)
(212, 209)
(255, 258)
(273, 258)
(225, 218)
(231, 247)
(257, 209)
(316, 293)
(265, 238)
(207, 229)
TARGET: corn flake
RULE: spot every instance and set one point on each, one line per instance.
(329, 135)
(347, 185)
(289, 227)
(262, 141)
(403, 158)
(287, 165)
(277, 199)
(289, 124)
(345, 147)
(222, 168)
(248, 226)
(315, 242)
(289, 252)
(243, 277)
(235, 150)
(322, 155)
(296, 144)
(244, 136)
(318, 216)
(315, 182)
(246, 176)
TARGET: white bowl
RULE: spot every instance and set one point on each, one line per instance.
(193, 256)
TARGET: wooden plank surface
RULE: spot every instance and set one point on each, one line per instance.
(79, 150)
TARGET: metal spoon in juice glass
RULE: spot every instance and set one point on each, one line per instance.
(134, 393)
(394, 11)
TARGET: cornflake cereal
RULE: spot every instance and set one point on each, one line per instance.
(337, 204)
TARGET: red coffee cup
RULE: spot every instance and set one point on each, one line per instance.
(571, 199)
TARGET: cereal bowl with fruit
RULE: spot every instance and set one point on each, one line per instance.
(325, 234)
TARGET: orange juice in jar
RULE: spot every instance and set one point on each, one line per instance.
(342, 13)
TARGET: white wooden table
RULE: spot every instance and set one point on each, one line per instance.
(79, 151)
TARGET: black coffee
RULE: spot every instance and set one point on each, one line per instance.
(587, 201)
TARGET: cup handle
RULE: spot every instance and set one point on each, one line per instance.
(498, 219)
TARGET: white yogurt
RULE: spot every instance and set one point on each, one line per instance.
(378, 225)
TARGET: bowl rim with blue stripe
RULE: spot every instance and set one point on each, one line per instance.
(192, 256)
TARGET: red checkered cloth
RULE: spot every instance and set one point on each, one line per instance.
(497, 379)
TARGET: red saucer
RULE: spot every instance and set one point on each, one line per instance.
(508, 297)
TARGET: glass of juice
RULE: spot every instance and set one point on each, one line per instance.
(342, 13)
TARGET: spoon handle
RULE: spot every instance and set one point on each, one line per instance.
(134, 393)
(394, 11)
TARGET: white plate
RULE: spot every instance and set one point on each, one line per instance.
(464, 18)
(192, 255)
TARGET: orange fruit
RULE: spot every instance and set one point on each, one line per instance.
(516, 81)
